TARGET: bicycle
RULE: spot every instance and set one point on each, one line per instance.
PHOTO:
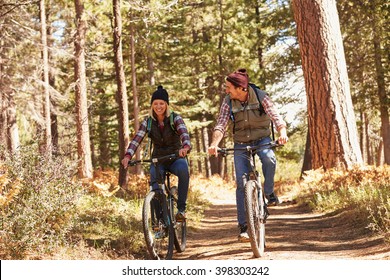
(255, 200)
(161, 230)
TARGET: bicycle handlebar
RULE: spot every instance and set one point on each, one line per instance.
(270, 145)
(153, 160)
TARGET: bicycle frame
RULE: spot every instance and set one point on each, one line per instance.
(254, 199)
(251, 152)
(162, 200)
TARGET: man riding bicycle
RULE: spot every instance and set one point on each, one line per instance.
(251, 111)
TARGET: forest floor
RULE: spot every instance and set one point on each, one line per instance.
(293, 232)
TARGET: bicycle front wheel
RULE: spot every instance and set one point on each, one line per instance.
(255, 217)
(157, 227)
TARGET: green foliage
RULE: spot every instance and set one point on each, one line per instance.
(38, 205)
(290, 156)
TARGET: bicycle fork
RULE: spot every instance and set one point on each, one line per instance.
(161, 211)
(252, 176)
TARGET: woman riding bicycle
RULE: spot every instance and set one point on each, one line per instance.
(168, 134)
(251, 111)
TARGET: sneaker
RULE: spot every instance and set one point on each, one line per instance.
(272, 199)
(180, 216)
(159, 235)
(243, 235)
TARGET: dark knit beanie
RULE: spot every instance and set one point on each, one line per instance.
(239, 78)
(161, 94)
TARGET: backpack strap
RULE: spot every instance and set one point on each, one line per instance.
(172, 121)
(260, 96)
(149, 126)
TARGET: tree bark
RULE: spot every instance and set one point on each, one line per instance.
(3, 112)
(307, 157)
(259, 46)
(83, 142)
(46, 86)
(333, 133)
(121, 93)
(53, 103)
(12, 127)
(198, 149)
(135, 92)
(384, 100)
(205, 137)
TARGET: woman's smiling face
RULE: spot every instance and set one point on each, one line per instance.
(159, 107)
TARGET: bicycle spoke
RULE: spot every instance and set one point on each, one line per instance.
(157, 230)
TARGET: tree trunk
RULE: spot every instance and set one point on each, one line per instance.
(364, 138)
(380, 80)
(367, 141)
(205, 137)
(150, 61)
(307, 157)
(3, 112)
(380, 154)
(46, 96)
(333, 133)
(259, 46)
(83, 142)
(104, 149)
(121, 94)
(198, 150)
(12, 127)
(135, 93)
(53, 103)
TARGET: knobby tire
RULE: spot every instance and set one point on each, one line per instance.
(180, 228)
(255, 214)
(158, 231)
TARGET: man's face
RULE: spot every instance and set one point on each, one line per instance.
(234, 92)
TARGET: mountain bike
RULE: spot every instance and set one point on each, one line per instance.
(161, 230)
(255, 200)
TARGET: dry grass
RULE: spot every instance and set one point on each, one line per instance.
(363, 192)
(108, 225)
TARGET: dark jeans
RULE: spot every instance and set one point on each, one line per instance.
(242, 166)
(179, 168)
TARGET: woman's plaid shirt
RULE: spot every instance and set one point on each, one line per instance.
(142, 131)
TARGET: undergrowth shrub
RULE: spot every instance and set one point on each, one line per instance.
(365, 192)
(38, 203)
(109, 223)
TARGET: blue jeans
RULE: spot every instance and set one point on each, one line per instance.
(179, 168)
(242, 166)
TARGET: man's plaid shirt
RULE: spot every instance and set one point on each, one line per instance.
(224, 115)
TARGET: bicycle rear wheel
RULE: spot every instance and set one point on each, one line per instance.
(255, 216)
(157, 227)
(180, 228)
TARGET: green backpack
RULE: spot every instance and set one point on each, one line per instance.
(171, 122)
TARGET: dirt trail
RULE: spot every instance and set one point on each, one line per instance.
(292, 232)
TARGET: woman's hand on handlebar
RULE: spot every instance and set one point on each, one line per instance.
(125, 161)
(183, 151)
